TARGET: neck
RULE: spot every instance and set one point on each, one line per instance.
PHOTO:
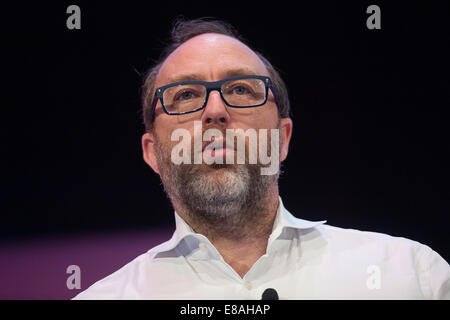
(240, 245)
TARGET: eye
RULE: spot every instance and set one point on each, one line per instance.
(239, 90)
(184, 95)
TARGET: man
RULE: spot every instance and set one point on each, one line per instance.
(234, 239)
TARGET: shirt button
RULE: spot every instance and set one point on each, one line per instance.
(248, 285)
(202, 247)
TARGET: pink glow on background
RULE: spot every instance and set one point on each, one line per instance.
(36, 269)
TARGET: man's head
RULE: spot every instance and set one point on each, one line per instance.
(182, 32)
(220, 196)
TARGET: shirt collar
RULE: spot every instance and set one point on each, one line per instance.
(283, 219)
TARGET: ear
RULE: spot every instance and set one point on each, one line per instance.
(149, 150)
(286, 132)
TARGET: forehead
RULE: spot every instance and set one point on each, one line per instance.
(209, 57)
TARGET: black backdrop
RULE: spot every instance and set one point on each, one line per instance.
(370, 142)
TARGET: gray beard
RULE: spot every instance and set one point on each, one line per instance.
(228, 203)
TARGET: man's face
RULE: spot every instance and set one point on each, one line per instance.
(210, 57)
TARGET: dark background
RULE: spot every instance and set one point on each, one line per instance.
(370, 142)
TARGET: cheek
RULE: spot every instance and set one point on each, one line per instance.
(172, 133)
(164, 128)
(166, 124)
(267, 118)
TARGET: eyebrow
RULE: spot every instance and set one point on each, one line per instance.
(196, 76)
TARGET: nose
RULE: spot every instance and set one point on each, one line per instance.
(215, 111)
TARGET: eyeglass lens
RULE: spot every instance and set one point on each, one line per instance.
(237, 93)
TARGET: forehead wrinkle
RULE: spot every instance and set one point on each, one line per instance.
(242, 71)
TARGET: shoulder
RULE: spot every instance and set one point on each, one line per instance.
(394, 255)
(346, 239)
(348, 235)
(119, 285)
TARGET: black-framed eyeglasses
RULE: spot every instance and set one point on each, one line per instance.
(247, 91)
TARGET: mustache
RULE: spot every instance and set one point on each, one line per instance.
(219, 140)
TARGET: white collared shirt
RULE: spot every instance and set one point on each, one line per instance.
(304, 260)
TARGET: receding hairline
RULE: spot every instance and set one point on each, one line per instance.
(192, 75)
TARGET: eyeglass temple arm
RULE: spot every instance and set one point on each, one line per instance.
(152, 109)
(275, 94)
